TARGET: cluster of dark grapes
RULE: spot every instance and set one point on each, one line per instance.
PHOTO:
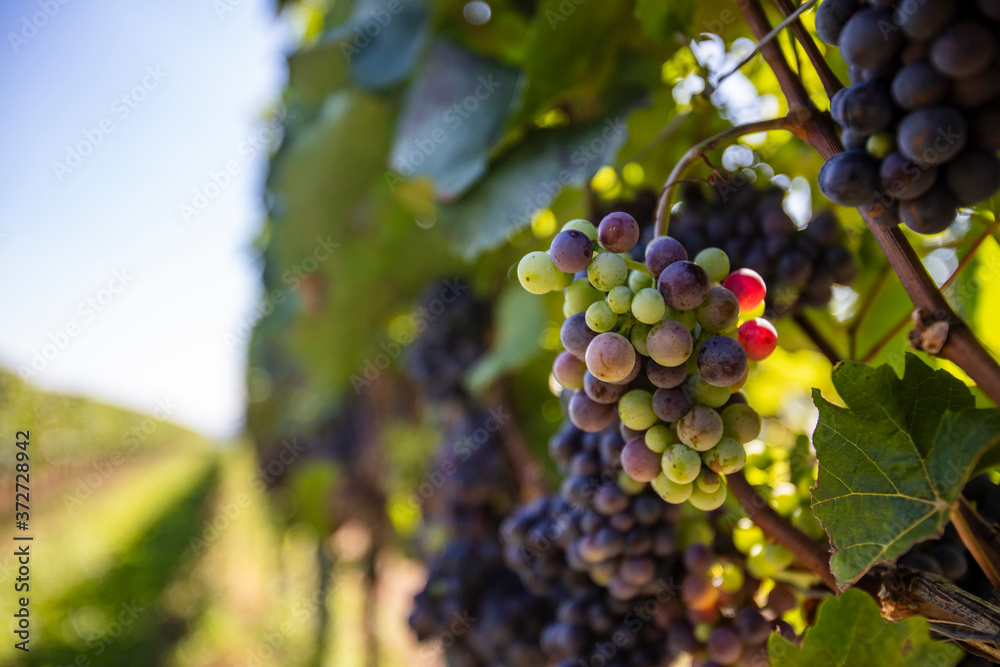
(800, 266)
(660, 346)
(454, 339)
(922, 118)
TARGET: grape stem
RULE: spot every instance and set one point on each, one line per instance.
(831, 84)
(961, 347)
(808, 552)
(792, 123)
(637, 266)
(824, 346)
(980, 538)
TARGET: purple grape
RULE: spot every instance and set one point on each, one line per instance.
(576, 335)
(588, 415)
(721, 361)
(639, 462)
(618, 232)
(605, 393)
(663, 252)
(571, 251)
(684, 285)
(671, 404)
(665, 377)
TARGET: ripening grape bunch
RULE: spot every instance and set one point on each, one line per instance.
(922, 118)
(660, 346)
(800, 266)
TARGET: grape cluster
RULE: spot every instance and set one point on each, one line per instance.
(660, 346)
(922, 118)
(478, 608)
(800, 266)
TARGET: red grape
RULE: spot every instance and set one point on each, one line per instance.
(748, 287)
(639, 462)
(759, 338)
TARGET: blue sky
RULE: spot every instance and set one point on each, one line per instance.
(115, 114)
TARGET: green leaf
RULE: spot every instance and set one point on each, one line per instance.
(893, 462)
(850, 630)
(522, 318)
(452, 118)
(528, 179)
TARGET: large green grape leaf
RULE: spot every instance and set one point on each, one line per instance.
(452, 117)
(527, 179)
(893, 462)
(850, 630)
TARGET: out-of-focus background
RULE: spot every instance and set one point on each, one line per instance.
(257, 261)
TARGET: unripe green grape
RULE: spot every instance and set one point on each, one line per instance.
(700, 429)
(658, 438)
(600, 317)
(768, 560)
(881, 145)
(715, 261)
(785, 498)
(681, 464)
(732, 578)
(582, 225)
(707, 501)
(742, 422)
(648, 306)
(580, 294)
(671, 492)
(567, 311)
(629, 485)
(688, 318)
(606, 271)
(746, 536)
(635, 409)
(620, 299)
(637, 280)
(538, 274)
(702, 393)
(728, 456)
(708, 480)
(638, 335)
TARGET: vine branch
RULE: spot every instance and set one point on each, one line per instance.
(792, 123)
(778, 528)
(818, 339)
(961, 346)
(831, 84)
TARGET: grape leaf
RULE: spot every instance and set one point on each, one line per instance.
(452, 118)
(850, 630)
(527, 179)
(893, 462)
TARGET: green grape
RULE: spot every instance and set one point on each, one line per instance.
(638, 335)
(538, 274)
(688, 318)
(629, 485)
(620, 299)
(708, 501)
(715, 262)
(606, 271)
(700, 429)
(669, 344)
(732, 578)
(767, 560)
(746, 536)
(635, 409)
(658, 438)
(648, 306)
(600, 317)
(681, 464)
(671, 492)
(742, 422)
(702, 393)
(785, 498)
(580, 294)
(582, 225)
(728, 456)
(637, 280)
(567, 311)
(708, 480)
(881, 145)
